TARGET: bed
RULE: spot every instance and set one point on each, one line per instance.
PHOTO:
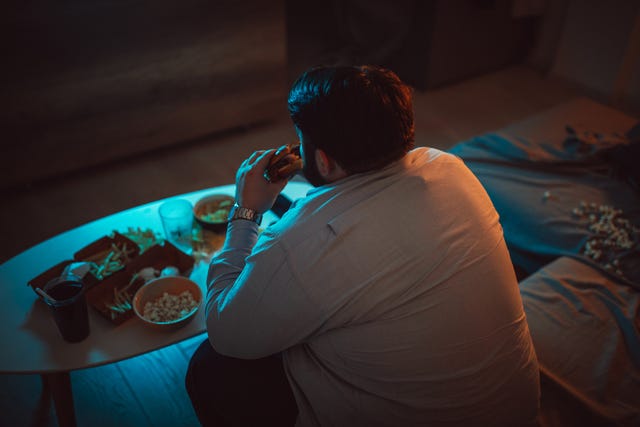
(565, 183)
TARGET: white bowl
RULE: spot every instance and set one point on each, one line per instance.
(155, 289)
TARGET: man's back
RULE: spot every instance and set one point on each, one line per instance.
(388, 290)
(413, 311)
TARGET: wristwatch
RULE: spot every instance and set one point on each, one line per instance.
(238, 212)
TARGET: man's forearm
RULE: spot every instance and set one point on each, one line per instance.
(228, 264)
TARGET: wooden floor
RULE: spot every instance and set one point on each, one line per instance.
(149, 390)
(143, 391)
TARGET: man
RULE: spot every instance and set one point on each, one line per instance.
(386, 297)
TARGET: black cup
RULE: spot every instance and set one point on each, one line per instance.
(68, 304)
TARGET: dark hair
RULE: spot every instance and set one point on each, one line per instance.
(361, 116)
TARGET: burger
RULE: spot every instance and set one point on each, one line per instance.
(284, 163)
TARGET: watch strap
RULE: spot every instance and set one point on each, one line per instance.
(239, 212)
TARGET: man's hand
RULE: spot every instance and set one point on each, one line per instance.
(252, 189)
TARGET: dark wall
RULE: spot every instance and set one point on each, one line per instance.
(428, 43)
(84, 82)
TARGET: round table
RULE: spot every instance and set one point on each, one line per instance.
(32, 341)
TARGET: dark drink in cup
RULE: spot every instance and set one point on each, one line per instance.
(68, 305)
(64, 290)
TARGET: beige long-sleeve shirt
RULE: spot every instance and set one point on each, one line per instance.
(391, 296)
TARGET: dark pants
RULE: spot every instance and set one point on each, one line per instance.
(225, 391)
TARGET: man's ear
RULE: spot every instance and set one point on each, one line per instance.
(324, 163)
(328, 168)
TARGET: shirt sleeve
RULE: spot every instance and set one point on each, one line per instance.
(255, 305)
(227, 265)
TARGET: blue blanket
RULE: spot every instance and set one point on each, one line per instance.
(565, 186)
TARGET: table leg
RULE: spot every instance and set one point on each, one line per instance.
(60, 385)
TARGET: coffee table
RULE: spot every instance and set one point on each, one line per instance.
(31, 341)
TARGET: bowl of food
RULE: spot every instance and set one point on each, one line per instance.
(168, 302)
(212, 212)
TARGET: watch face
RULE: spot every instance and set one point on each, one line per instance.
(246, 213)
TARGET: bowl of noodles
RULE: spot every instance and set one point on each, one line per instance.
(212, 212)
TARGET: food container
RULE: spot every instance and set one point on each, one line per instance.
(110, 254)
(113, 297)
(212, 212)
(96, 252)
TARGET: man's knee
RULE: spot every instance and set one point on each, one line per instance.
(194, 371)
(229, 391)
